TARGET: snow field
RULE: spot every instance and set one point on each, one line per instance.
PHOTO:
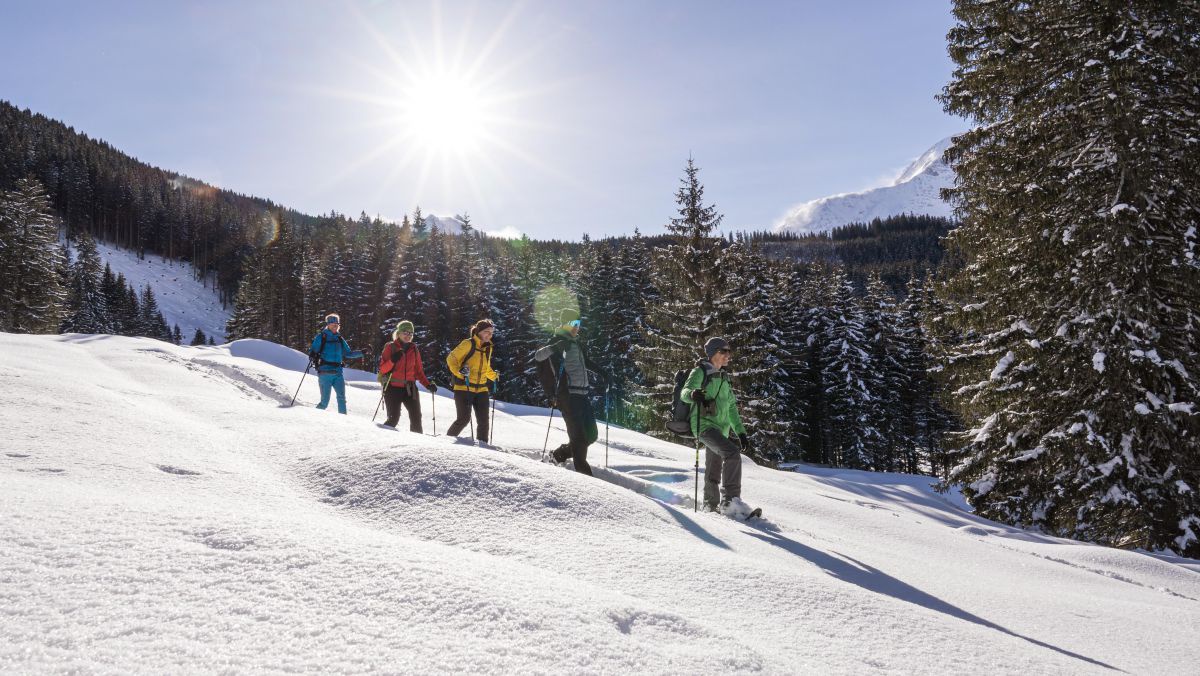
(163, 510)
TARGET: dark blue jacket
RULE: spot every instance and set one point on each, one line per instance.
(336, 351)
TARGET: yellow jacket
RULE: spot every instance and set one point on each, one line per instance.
(480, 365)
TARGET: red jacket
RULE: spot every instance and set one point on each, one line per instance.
(403, 361)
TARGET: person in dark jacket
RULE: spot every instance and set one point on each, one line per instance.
(400, 369)
(471, 370)
(563, 368)
(328, 354)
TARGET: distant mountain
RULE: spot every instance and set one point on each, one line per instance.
(916, 191)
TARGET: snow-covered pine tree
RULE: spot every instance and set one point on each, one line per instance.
(34, 299)
(851, 425)
(466, 274)
(688, 281)
(150, 319)
(199, 338)
(890, 382)
(789, 320)
(88, 313)
(1079, 196)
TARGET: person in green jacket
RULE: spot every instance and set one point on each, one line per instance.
(716, 423)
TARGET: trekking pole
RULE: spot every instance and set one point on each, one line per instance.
(381, 394)
(492, 424)
(471, 406)
(557, 381)
(607, 408)
(433, 407)
(306, 368)
(696, 489)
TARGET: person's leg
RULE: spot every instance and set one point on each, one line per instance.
(412, 402)
(731, 472)
(391, 399)
(586, 424)
(325, 383)
(712, 479)
(339, 387)
(480, 404)
(462, 406)
(717, 466)
(570, 416)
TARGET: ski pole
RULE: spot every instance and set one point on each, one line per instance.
(433, 407)
(306, 368)
(471, 406)
(546, 443)
(492, 424)
(381, 394)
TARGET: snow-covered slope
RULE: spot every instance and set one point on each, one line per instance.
(182, 299)
(163, 510)
(915, 191)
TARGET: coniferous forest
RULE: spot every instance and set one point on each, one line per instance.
(1041, 351)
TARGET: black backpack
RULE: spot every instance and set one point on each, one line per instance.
(681, 411)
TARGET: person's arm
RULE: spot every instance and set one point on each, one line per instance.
(694, 381)
(734, 416)
(351, 354)
(385, 360)
(600, 375)
(489, 373)
(454, 359)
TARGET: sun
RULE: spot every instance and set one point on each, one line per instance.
(444, 113)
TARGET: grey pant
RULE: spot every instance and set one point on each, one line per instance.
(722, 466)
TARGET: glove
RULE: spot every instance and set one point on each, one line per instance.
(699, 397)
(745, 441)
(314, 359)
(432, 387)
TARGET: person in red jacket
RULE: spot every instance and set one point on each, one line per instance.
(400, 370)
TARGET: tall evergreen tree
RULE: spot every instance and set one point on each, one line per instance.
(199, 338)
(34, 299)
(88, 312)
(1079, 195)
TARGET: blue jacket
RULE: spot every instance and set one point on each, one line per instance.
(336, 351)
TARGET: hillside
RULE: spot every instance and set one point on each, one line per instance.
(187, 519)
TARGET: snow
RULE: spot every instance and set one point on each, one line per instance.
(163, 510)
(916, 191)
(182, 299)
(1002, 365)
(1098, 361)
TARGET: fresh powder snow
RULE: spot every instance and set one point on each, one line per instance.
(164, 510)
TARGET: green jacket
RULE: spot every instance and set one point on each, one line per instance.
(722, 413)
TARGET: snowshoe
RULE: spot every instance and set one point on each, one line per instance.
(737, 509)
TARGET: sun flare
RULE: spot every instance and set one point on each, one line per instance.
(444, 113)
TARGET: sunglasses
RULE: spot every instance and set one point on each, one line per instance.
(725, 350)
(574, 323)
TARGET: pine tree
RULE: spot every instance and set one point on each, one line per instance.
(34, 299)
(1079, 196)
(88, 310)
(177, 335)
(688, 280)
(851, 426)
(199, 338)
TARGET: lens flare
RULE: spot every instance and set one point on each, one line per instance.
(549, 304)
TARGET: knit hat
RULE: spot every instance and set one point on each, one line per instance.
(715, 345)
(403, 327)
(332, 319)
(567, 316)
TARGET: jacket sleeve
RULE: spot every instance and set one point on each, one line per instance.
(734, 416)
(694, 381)
(385, 360)
(488, 372)
(316, 344)
(455, 358)
(420, 368)
(350, 354)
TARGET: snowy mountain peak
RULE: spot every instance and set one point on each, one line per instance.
(917, 191)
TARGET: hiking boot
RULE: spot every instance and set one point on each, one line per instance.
(711, 507)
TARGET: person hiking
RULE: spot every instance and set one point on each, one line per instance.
(400, 369)
(715, 422)
(328, 353)
(563, 367)
(471, 370)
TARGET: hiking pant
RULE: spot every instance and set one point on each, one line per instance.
(408, 395)
(722, 466)
(463, 403)
(337, 383)
(581, 431)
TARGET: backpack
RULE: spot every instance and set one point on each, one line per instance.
(681, 411)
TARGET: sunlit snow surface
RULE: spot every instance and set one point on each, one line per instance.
(162, 510)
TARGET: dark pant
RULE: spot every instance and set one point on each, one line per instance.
(722, 467)
(581, 430)
(408, 395)
(463, 403)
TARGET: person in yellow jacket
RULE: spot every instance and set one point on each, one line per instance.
(471, 368)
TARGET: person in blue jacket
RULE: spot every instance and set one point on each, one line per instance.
(329, 351)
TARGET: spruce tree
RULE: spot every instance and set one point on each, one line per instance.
(1079, 196)
(88, 311)
(199, 338)
(34, 299)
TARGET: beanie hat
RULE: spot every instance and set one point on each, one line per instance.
(715, 345)
(403, 327)
(332, 319)
(567, 316)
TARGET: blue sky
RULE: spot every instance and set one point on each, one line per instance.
(560, 117)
